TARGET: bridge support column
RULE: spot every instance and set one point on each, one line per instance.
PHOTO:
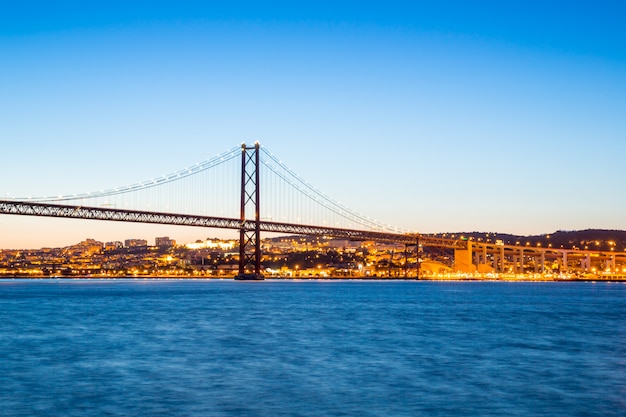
(613, 264)
(585, 263)
(463, 259)
(408, 252)
(250, 236)
(610, 263)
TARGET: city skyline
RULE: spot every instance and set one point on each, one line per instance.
(444, 118)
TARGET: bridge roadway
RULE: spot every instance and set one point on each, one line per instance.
(135, 216)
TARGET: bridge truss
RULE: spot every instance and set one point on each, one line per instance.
(111, 214)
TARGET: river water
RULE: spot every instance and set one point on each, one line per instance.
(296, 348)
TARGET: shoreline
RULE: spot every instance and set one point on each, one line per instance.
(281, 278)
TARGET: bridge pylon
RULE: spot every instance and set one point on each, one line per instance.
(250, 236)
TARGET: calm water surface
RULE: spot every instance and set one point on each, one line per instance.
(223, 348)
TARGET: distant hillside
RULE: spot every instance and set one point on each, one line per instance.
(596, 239)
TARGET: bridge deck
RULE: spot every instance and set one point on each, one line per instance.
(111, 214)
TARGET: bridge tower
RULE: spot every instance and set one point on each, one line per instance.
(250, 236)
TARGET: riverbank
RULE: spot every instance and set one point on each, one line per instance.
(443, 278)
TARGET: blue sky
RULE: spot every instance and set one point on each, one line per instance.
(454, 116)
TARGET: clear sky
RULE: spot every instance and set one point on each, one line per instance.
(505, 116)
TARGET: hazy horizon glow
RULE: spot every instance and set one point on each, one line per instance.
(435, 118)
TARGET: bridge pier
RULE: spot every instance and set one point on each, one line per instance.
(250, 238)
(610, 263)
(463, 259)
(498, 260)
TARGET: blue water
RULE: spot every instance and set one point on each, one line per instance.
(224, 348)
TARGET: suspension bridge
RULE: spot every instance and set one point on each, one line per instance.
(250, 190)
(246, 188)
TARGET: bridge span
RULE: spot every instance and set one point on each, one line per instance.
(110, 214)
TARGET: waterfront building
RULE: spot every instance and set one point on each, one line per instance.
(135, 243)
(110, 246)
(164, 242)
